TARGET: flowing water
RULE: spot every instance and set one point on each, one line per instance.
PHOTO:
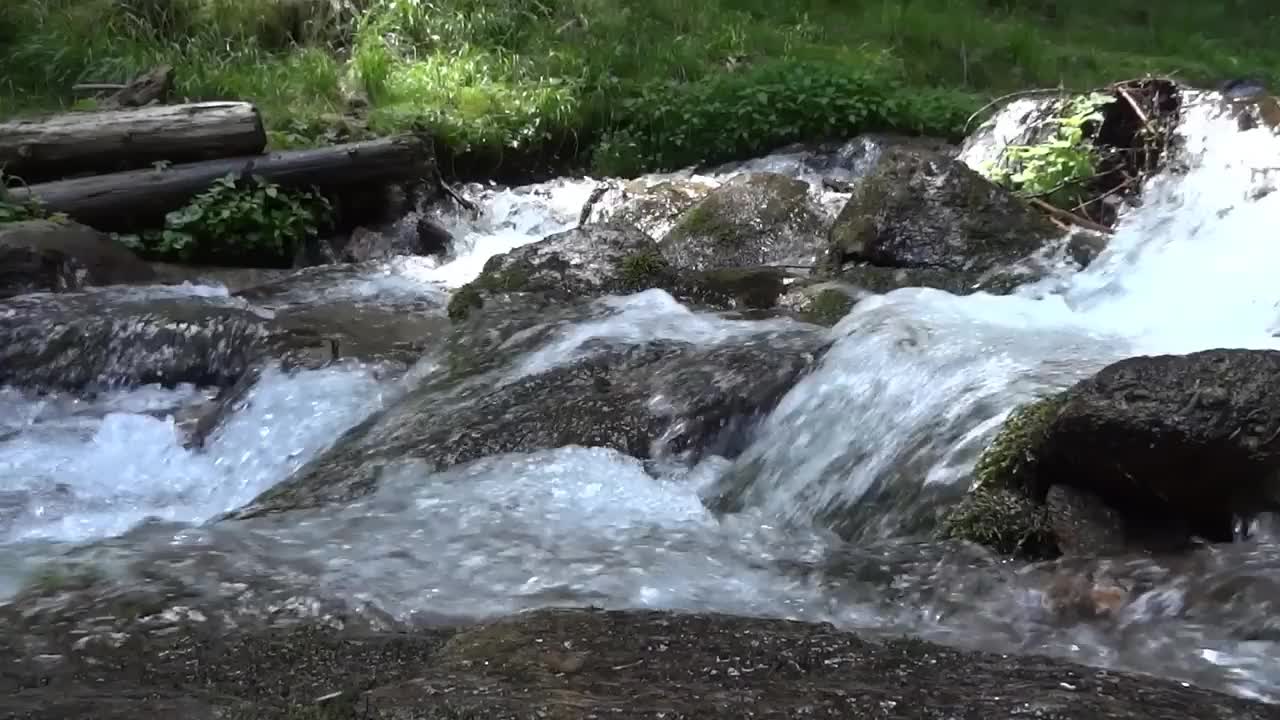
(916, 382)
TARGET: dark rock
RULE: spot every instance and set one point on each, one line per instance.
(918, 209)
(421, 236)
(25, 270)
(580, 263)
(654, 208)
(604, 400)
(1085, 246)
(1082, 524)
(581, 663)
(87, 340)
(754, 219)
(1004, 520)
(1172, 441)
(97, 259)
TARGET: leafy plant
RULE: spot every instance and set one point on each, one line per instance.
(14, 211)
(1066, 157)
(248, 222)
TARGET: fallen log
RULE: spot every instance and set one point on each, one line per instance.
(60, 146)
(137, 199)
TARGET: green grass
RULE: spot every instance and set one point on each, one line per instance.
(514, 84)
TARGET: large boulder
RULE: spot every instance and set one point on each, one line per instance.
(1173, 442)
(574, 663)
(653, 207)
(96, 258)
(1146, 454)
(668, 399)
(754, 219)
(575, 264)
(919, 209)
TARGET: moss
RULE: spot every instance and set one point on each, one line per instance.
(464, 300)
(644, 270)
(1009, 462)
(827, 307)
(1006, 521)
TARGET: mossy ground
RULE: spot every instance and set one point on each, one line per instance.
(518, 85)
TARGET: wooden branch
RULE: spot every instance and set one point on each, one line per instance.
(68, 144)
(1070, 217)
(129, 201)
(1010, 96)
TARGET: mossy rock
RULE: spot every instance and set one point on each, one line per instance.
(1010, 461)
(752, 220)
(577, 264)
(1003, 520)
(920, 209)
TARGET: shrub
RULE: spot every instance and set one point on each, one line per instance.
(722, 117)
(251, 222)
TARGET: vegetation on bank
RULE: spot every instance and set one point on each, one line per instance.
(618, 85)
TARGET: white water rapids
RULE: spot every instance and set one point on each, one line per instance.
(918, 379)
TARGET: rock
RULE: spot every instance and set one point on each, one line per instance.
(1172, 441)
(423, 236)
(82, 341)
(660, 399)
(652, 207)
(582, 663)
(1082, 524)
(25, 270)
(754, 219)
(96, 258)
(918, 209)
(580, 263)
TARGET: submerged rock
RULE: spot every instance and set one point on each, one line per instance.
(582, 663)
(56, 252)
(754, 219)
(659, 399)
(919, 209)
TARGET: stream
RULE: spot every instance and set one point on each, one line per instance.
(916, 378)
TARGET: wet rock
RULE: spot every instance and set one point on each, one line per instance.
(26, 270)
(93, 257)
(754, 219)
(572, 663)
(1172, 441)
(918, 209)
(579, 263)
(80, 341)
(421, 236)
(662, 399)
(653, 207)
(1082, 524)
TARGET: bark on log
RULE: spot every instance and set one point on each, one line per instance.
(59, 146)
(129, 201)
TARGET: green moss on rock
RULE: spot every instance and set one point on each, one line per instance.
(827, 307)
(644, 270)
(1010, 460)
(1004, 520)
(464, 300)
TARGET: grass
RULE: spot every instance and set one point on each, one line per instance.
(513, 85)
